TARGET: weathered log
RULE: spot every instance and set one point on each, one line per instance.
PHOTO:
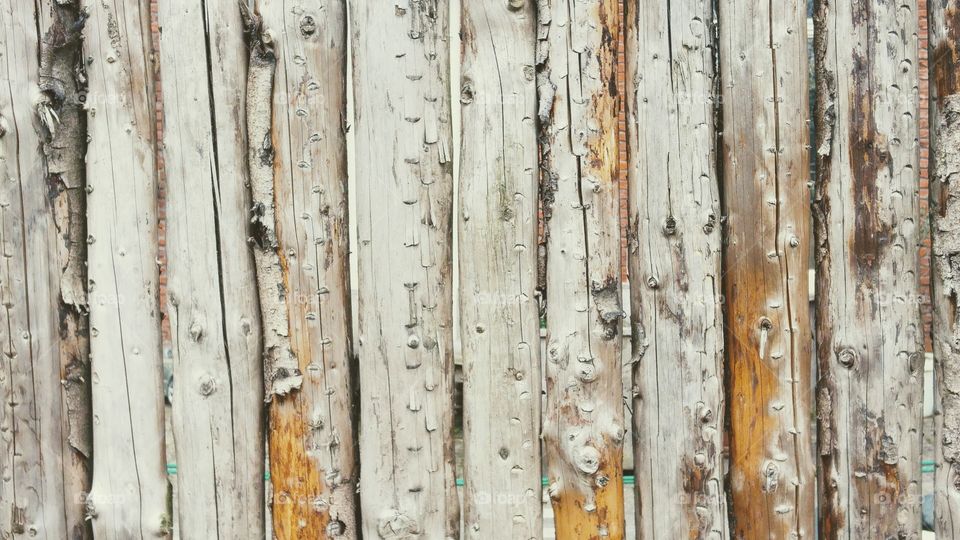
(44, 370)
(869, 333)
(404, 199)
(945, 224)
(499, 314)
(764, 83)
(674, 244)
(129, 494)
(212, 305)
(313, 461)
(583, 427)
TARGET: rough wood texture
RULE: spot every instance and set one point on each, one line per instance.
(583, 427)
(212, 305)
(313, 462)
(499, 314)
(763, 63)
(44, 416)
(869, 334)
(674, 246)
(281, 371)
(404, 199)
(945, 207)
(129, 495)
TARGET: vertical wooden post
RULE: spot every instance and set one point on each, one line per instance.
(44, 370)
(404, 199)
(214, 318)
(869, 333)
(313, 464)
(498, 271)
(945, 207)
(674, 245)
(129, 495)
(763, 63)
(583, 429)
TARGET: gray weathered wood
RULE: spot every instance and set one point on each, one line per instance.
(578, 103)
(129, 494)
(404, 199)
(44, 378)
(499, 314)
(674, 249)
(313, 462)
(945, 221)
(212, 305)
(869, 333)
(764, 81)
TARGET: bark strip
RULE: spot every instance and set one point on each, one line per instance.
(869, 332)
(499, 314)
(282, 373)
(44, 376)
(404, 198)
(674, 245)
(212, 306)
(313, 441)
(583, 426)
(764, 81)
(129, 494)
(945, 212)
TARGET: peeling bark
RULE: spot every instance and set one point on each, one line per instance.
(313, 461)
(404, 198)
(763, 65)
(583, 426)
(129, 494)
(212, 307)
(281, 370)
(674, 246)
(945, 218)
(44, 392)
(869, 332)
(499, 314)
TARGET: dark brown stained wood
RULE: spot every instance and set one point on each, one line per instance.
(869, 333)
(763, 65)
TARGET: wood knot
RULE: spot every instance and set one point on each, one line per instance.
(669, 226)
(515, 5)
(587, 459)
(847, 357)
(308, 26)
(397, 526)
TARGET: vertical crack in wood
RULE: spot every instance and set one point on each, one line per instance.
(868, 220)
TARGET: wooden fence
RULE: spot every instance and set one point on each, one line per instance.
(754, 415)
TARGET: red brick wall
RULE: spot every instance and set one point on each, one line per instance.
(926, 310)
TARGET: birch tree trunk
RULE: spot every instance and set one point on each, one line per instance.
(44, 417)
(499, 312)
(583, 430)
(945, 209)
(763, 62)
(674, 248)
(313, 462)
(869, 341)
(214, 318)
(129, 495)
(404, 199)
